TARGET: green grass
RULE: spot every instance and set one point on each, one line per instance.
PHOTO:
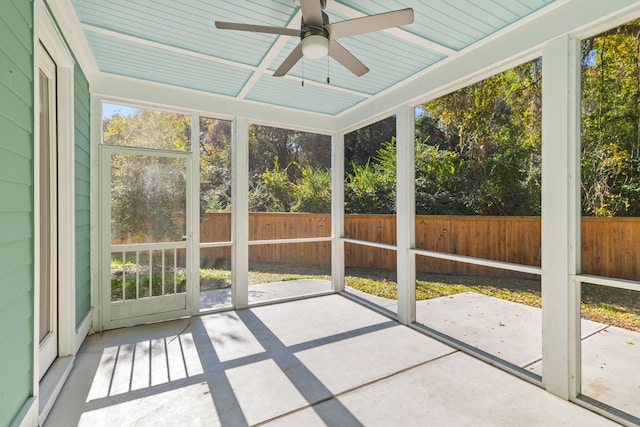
(617, 307)
(218, 278)
(137, 283)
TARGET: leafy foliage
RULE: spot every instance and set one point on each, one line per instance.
(610, 122)
(272, 191)
(486, 147)
(371, 188)
(148, 191)
(290, 171)
(313, 190)
(215, 165)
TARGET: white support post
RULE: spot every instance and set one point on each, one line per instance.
(193, 223)
(96, 204)
(337, 212)
(560, 217)
(240, 213)
(405, 213)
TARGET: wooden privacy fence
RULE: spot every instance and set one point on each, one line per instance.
(609, 245)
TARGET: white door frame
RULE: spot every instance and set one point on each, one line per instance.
(46, 33)
(47, 170)
(106, 320)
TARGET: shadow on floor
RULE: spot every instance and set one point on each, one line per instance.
(318, 361)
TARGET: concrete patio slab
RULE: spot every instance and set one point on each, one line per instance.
(508, 330)
(185, 403)
(457, 390)
(263, 292)
(265, 390)
(230, 336)
(610, 374)
(387, 351)
(317, 319)
(385, 304)
(324, 360)
(287, 288)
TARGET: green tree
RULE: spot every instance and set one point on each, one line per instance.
(148, 191)
(272, 191)
(288, 170)
(610, 119)
(313, 191)
(435, 174)
(361, 146)
(215, 165)
(493, 127)
(371, 187)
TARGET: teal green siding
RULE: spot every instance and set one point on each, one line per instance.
(82, 197)
(16, 208)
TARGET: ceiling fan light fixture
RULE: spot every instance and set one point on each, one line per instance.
(315, 46)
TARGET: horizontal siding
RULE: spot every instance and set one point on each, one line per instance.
(16, 371)
(13, 77)
(14, 256)
(12, 136)
(24, 7)
(18, 194)
(15, 309)
(82, 203)
(13, 293)
(13, 47)
(16, 166)
(18, 24)
(82, 196)
(20, 114)
(16, 209)
(16, 226)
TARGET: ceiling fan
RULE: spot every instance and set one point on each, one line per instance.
(318, 37)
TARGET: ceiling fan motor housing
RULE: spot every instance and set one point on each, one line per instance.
(307, 30)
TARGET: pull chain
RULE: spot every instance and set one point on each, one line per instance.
(303, 71)
(328, 62)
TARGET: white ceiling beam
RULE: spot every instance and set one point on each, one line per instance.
(397, 32)
(514, 45)
(65, 15)
(328, 86)
(262, 68)
(165, 47)
(218, 106)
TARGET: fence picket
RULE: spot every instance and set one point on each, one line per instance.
(609, 245)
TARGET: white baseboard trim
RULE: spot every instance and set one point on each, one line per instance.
(51, 384)
(83, 330)
(28, 415)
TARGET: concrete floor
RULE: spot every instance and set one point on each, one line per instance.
(318, 361)
(264, 292)
(513, 332)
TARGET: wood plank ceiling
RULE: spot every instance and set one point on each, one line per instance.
(174, 42)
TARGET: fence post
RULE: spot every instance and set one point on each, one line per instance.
(405, 214)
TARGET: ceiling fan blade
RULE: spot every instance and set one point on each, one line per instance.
(367, 24)
(257, 28)
(346, 58)
(289, 62)
(311, 12)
